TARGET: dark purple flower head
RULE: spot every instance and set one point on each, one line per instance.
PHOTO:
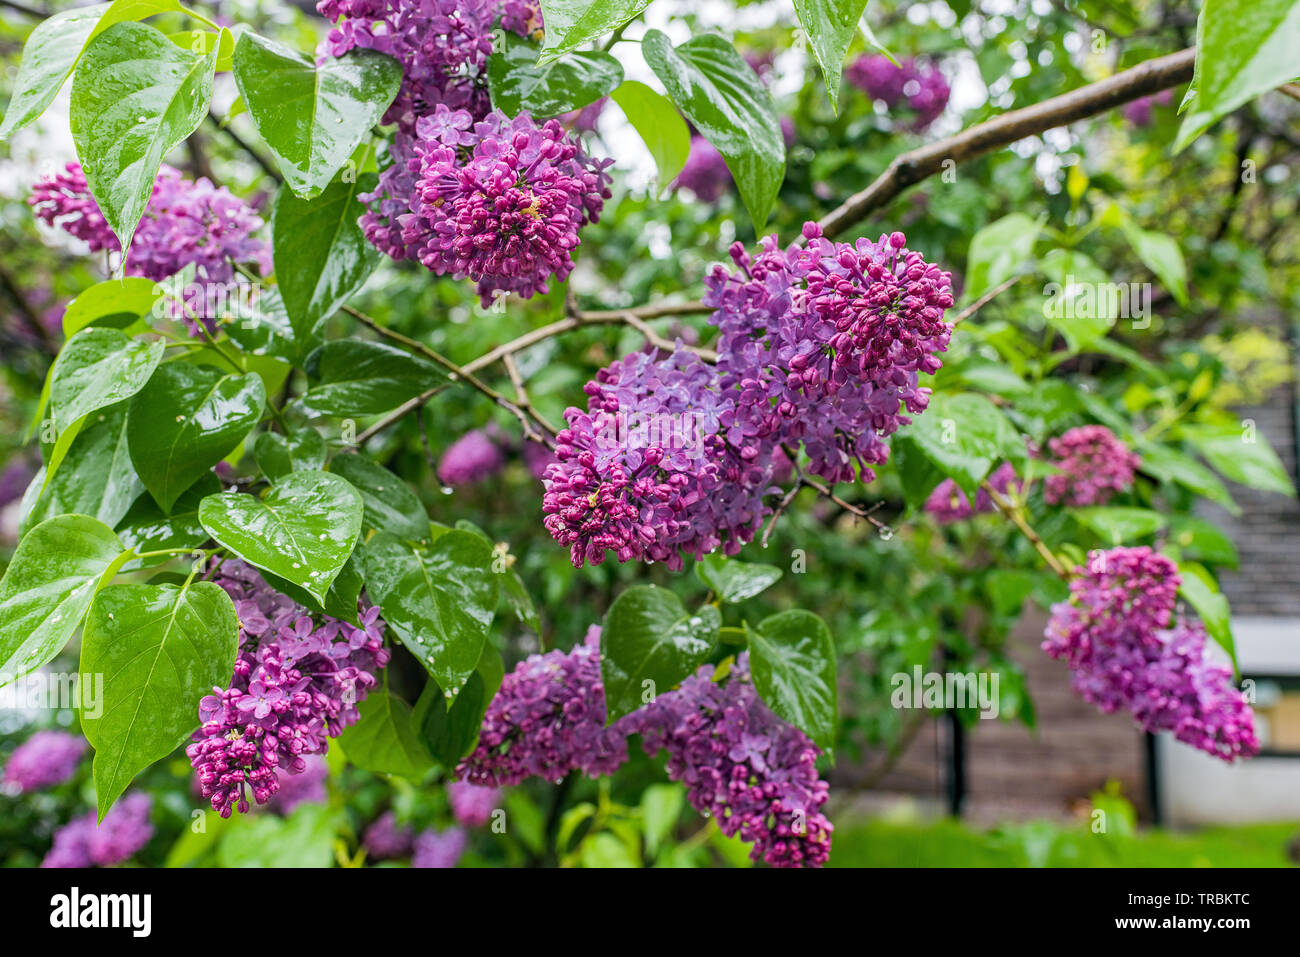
(45, 759)
(913, 85)
(470, 459)
(385, 839)
(439, 848)
(948, 503)
(471, 804)
(124, 830)
(1121, 638)
(705, 173)
(1095, 465)
(296, 684)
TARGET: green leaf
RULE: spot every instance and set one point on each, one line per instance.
(1008, 588)
(1201, 591)
(302, 530)
(158, 650)
(1171, 465)
(831, 26)
(135, 97)
(792, 659)
(304, 839)
(964, 435)
(734, 580)
(115, 303)
(384, 740)
(1199, 539)
(267, 331)
(649, 644)
(186, 420)
(449, 729)
(1243, 48)
(48, 586)
(390, 505)
(1242, 455)
(278, 455)
(49, 55)
(1118, 524)
(101, 482)
(146, 528)
(661, 805)
(312, 117)
(98, 368)
(1159, 253)
(571, 23)
(999, 251)
(321, 255)
(713, 85)
(340, 601)
(662, 128)
(519, 83)
(356, 377)
(440, 599)
(1080, 310)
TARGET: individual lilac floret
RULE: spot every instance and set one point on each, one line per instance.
(547, 719)
(823, 346)
(45, 759)
(654, 468)
(705, 173)
(472, 458)
(385, 839)
(1119, 635)
(1094, 466)
(124, 830)
(439, 848)
(296, 684)
(186, 222)
(472, 805)
(753, 773)
(913, 85)
(948, 503)
(500, 201)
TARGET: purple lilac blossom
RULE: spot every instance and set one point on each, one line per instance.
(470, 459)
(124, 830)
(307, 787)
(911, 84)
(296, 684)
(1141, 111)
(471, 804)
(755, 774)
(705, 173)
(1120, 637)
(385, 839)
(439, 848)
(45, 759)
(948, 503)
(1095, 465)
(500, 201)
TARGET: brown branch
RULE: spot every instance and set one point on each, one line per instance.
(912, 167)
(1290, 89)
(1014, 513)
(521, 392)
(985, 299)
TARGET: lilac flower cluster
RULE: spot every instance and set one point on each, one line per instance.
(296, 684)
(705, 173)
(1141, 111)
(920, 88)
(385, 839)
(124, 830)
(820, 346)
(948, 503)
(45, 759)
(304, 787)
(755, 774)
(443, 46)
(1120, 637)
(497, 200)
(185, 222)
(1095, 465)
(472, 458)
(434, 848)
(471, 804)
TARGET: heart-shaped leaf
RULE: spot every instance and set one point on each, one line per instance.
(571, 23)
(649, 644)
(97, 368)
(303, 529)
(186, 420)
(267, 331)
(830, 26)
(356, 377)
(115, 303)
(135, 97)
(158, 649)
(661, 127)
(384, 739)
(312, 117)
(519, 83)
(792, 659)
(734, 580)
(439, 599)
(391, 506)
(49, 585)
(713, 85)
(49, 55)
(449, 729)
(321, 255)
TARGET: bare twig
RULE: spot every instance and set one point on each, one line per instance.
(521, 392)
(985, 299)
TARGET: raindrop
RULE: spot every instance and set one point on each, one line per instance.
(447, 490)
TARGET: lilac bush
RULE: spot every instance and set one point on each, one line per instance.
(83, 843)
(1094, 464)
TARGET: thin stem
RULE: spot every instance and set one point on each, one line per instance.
(1016, 514)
